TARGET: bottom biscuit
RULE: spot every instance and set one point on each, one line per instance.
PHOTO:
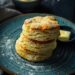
(36, 47)
(31, 56)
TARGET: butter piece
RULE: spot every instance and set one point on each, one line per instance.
(64, 35)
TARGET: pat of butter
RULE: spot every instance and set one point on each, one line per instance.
(64, 35)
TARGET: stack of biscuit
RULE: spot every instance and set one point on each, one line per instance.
(38, 38)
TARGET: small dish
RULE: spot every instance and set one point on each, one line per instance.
(26, 6)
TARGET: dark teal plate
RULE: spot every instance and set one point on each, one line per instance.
(61, 63)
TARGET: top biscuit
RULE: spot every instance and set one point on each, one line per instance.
(41, 28)
(42, 23)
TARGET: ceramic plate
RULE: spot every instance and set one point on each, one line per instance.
(61, 63)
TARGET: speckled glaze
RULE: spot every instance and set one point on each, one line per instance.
(61, 63)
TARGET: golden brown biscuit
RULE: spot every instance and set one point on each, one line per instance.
(31, 56)
(43, 30)
(41, 23)
(41, 36)
(39, 47)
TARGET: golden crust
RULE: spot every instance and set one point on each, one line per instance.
(24, 38)
(41, 28)
(42, 23)
(44, 48)
(31, 56)
(41, 35)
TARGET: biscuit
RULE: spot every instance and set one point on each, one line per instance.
(41, 28)
(31, 56)
(41, 48)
